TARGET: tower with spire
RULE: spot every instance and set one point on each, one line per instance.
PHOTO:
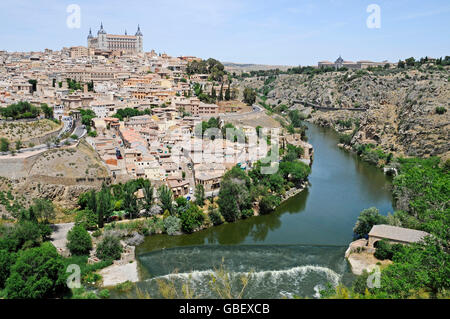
(140, 39)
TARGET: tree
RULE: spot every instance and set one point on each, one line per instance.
(366, 220)
(214, 215)
(199, 194)
(44, 209)
(221, 93)
(7, 260)
(268, 203)
(249, 96)
(401, 64)
(166, 198)
(79, 241)
(87, 218)
(130, 200)
(48, 111)
(38, 273)
(191, 218)
(109, 248)
(228, 93)
(4, 145)
(295, 171)
(103, 204)
(148, 197)
(233, 198)
(410, 61)
(18, 145)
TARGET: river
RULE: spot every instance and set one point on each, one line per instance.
(293, 251)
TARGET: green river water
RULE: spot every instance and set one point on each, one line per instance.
(293, 251)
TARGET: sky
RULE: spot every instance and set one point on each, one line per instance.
(278, 32)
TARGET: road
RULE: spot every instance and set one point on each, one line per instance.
(79, 131)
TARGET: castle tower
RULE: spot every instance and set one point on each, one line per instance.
(140, 39)
(101, 34)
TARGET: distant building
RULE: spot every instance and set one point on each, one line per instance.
(113, 42)
(341, 63)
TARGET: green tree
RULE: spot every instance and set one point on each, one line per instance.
(4, 145)
(130, 203)
(44, 209)
(249, 96)
(7, 260)
(228, 93)
(38, 273)
(48, 111)
(199, 194)
(191, 218)
(268, 203)
(87, 218)
(366, 220)
(79, 241)
(166, 198)
(148, 199)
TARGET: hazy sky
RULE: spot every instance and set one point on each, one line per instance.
(286, 32)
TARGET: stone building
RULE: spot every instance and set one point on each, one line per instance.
(395, 235)
(130, 44)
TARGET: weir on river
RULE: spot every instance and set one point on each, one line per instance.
(293, 251)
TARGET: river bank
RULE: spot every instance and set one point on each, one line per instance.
(295, 249)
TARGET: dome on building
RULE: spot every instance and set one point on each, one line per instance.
(138, 32)
(101, 31)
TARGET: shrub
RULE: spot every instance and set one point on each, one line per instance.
(87, 218)
(191, 218)
(345, 139)
(216, 217)
(104, 294)
(109, 248)
(440, 110)
(385, 250)
(247, 213)
(268, 204)
(172, 225)
(79, 241)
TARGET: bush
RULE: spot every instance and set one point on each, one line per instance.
(172, 225)
(109, 248)
(216, 217)
(79, 241)
(440, 110)
(267, 204)
(192, 218)
(87, 218)
(104, 294)
(345, 139)
(385, 250)
(38, 273)
(247, 213)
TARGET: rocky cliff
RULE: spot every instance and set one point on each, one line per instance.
(403, 106)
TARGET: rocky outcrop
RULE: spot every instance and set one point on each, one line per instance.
(401, 115)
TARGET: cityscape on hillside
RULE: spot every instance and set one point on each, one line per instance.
(127, 172)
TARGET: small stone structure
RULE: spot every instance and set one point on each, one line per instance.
(395, 235)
